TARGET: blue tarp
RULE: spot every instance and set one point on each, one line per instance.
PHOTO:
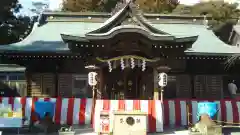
(209, 108)
(43, 107)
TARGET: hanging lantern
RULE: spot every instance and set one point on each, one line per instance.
(143, 65)
(92, 78)
(162, 79)
(122, 64)
(132, 63)
(109, 66)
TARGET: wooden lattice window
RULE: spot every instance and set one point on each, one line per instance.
(80, 84)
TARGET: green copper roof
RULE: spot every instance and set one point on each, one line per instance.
(207, 42)
(48, 38)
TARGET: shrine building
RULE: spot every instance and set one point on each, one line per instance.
(127, 49)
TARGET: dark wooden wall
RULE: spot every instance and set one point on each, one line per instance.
(187, 78)
(57, 78)
(202, 79)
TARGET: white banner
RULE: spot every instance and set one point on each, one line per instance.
(11, 122)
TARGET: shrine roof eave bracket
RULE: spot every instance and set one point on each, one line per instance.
(66, 38)
(150, 36)
(126, 29)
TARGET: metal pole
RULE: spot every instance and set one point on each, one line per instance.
(93, 93)
(162, 90)
(93, 102)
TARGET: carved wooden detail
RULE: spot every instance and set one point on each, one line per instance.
(128, 84)
(126, 46)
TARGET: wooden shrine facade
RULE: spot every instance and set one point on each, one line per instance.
(128, 53)
(66, 76)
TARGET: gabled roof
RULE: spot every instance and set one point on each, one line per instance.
(130, 14)
(129, 19)
(47, 37)
(207, 43)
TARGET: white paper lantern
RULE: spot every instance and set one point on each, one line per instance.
(162, 79)
(92, 78)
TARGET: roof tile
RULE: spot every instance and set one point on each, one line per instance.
(48, 38)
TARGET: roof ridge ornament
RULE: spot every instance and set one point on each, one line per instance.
(120, 5)
(117, 7)
(126, 9)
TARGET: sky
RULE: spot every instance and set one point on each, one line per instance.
(56, 4)
(27, 5)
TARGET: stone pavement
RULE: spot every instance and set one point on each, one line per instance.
(92, 133)
(89, 131)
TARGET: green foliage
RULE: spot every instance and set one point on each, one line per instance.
(220, 12)
(15, 30)
(150, 6)
(12, 28)
(224, 15)
(108, 5)
(82, 5)
(157, 6)
(7, 8)
(182, 9)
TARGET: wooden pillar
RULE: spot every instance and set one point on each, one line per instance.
(100, 92)
(156, 89)
(28, 81)
(125, 81)
(56, 81)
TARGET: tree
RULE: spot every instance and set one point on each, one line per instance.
(81, 5)
(224, 15)
(15, 30)
(157, 6)
(150, 6)
(12, 28)
(7, 8)
(109, 5)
